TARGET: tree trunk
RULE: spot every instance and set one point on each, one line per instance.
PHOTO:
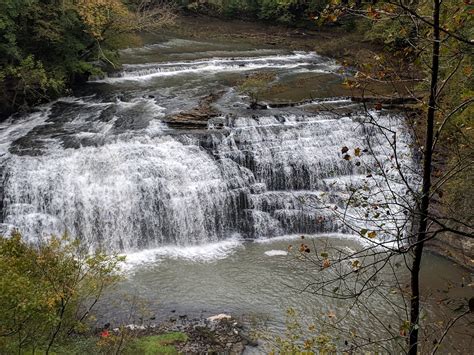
(426, 186)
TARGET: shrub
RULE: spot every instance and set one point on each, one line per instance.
(48, 290)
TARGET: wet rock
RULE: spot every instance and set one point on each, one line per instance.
(258, 106)
(222, 334)
(198, 117)
(248, 341)
(219, 317)
(238, 348)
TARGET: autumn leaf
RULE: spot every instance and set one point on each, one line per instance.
(100, 15)
(304, 248)
(357, 152)
(344, 150)
(356, 264)
(467, 70)
(372, 235)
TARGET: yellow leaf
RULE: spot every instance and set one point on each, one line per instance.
(372, 234)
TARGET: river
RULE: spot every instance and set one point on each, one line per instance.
(204, 211)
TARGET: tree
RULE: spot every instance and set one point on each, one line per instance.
(48, 290)
(107, 20)
(396, 224)
(47, 45)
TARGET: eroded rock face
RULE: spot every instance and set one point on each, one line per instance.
(457, 248)
(198, 117)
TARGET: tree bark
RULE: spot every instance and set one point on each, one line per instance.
(426, 186)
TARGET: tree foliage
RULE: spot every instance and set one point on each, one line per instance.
(46, 45)
(47, 291)
(288, 12)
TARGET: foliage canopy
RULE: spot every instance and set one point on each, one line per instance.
(46, 45)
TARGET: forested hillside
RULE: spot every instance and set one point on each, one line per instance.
(45, 46)
(290, 12)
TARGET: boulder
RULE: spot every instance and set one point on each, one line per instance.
(219, 317)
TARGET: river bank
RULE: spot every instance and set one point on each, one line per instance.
(220, 334)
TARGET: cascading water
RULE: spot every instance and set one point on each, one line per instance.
(108, 170)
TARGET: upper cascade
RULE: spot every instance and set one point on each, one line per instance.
(303, 61)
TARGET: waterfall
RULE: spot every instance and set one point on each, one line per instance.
(112, 174)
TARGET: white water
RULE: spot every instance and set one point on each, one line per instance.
(110, 172)
(209, 252)
(298, 60)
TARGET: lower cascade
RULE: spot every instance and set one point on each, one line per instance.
(109, 171)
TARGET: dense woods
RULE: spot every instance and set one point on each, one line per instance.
(46, 46)
(290, 12)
